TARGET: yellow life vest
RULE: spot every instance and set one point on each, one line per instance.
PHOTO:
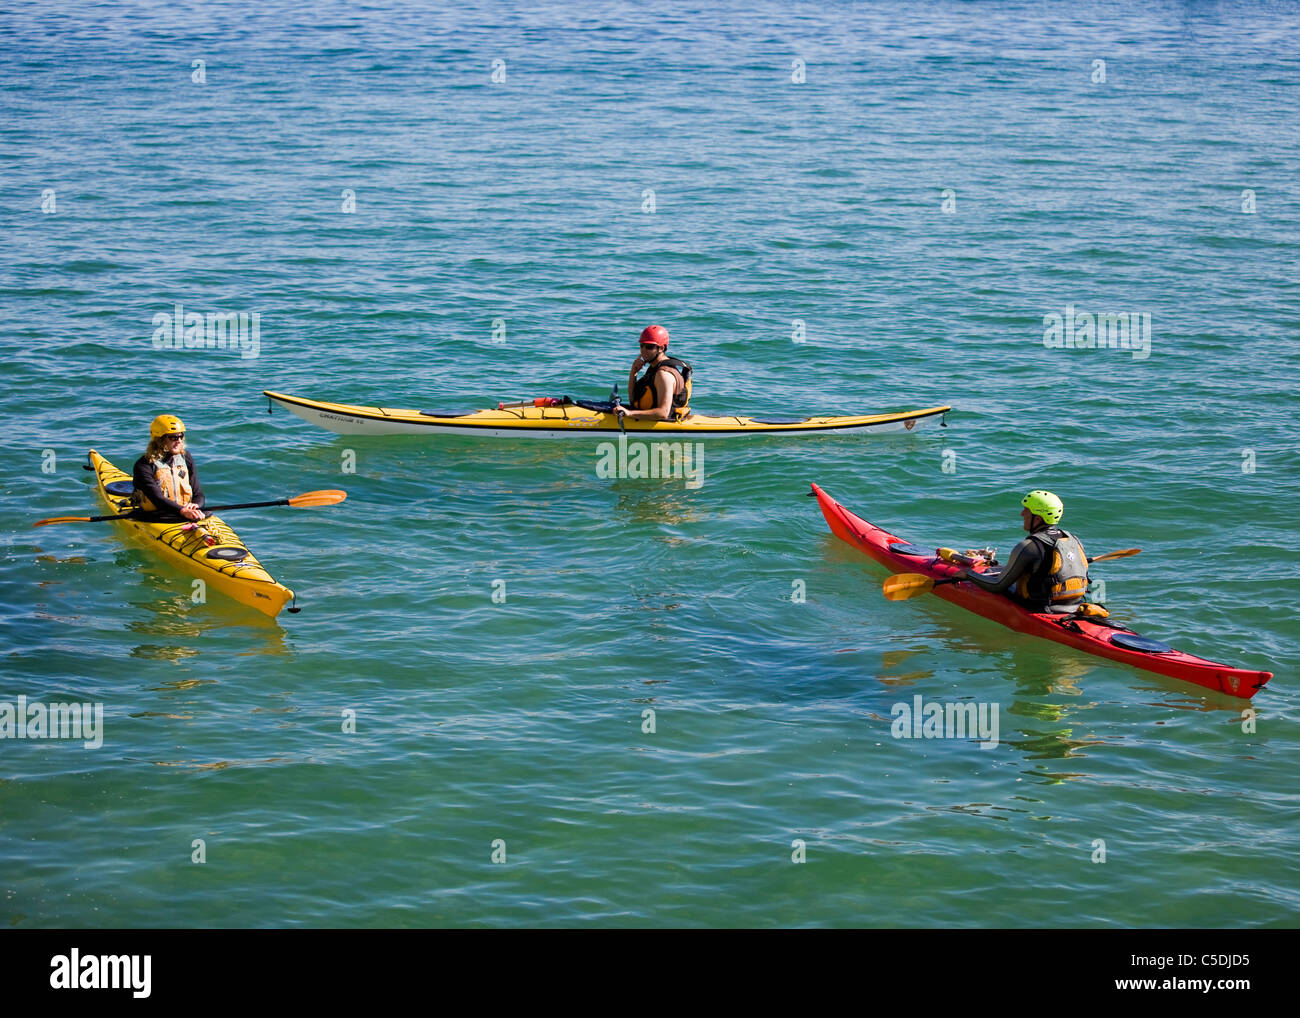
(173, 480)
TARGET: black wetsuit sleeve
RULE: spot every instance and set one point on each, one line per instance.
(1025, 557)
(144, 480)
(194, 482)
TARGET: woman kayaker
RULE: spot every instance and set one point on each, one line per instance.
(1048, 570)
(164, 477)
(663, 393)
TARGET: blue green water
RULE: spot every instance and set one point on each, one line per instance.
(943, 177)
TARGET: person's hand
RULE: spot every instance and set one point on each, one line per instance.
(638, 364)
(621, 410)
(191, 512)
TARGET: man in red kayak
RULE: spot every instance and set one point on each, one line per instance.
(1048, 570)
(164, 477)
(663, 393)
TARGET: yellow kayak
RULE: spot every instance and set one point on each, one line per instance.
(571, 419)
(225, 565)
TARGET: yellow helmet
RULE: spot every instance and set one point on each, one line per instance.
(1044, 505)
(166, 424)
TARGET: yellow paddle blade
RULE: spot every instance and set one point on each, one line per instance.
(905, 585)
(332, 496)
(1116, 554)
(61, 519)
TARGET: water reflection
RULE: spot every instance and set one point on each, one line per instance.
(153, 652)
(399, 457)
(174, 629)
(74, 560)
(890, 673)
(1041, 668)
(651, 504)
(179, 685)
(220, 765)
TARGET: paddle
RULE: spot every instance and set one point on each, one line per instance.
(615, 403)
(303, 501)
(905, 585)
(1125, 553)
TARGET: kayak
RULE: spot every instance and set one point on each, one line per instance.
(225, 565)
(567, 419)
(1100, 637)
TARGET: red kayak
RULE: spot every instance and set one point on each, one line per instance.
(1103, 638)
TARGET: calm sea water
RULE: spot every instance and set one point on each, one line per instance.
(918, 185)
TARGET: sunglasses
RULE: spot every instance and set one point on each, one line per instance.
(178, 437)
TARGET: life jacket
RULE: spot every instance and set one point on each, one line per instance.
(173, 480)
(1063, 576)
(646, 395)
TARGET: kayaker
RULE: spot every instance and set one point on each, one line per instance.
(164, 477)
(1048, 570)
(663, 393)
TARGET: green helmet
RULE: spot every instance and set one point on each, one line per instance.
(1044, 505)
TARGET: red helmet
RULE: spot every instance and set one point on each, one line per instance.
(655, 334)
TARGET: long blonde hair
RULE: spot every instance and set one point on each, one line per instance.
(157, 449)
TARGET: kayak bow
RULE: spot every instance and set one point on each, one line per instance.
(576, 420)
(1086, 634)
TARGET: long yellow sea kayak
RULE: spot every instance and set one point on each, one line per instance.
(225, 565)
(578, 419)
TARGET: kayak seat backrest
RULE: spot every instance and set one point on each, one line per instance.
(119, 488)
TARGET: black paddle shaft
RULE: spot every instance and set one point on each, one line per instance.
(158, 517)
(148, 517)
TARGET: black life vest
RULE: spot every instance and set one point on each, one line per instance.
(646, 394)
